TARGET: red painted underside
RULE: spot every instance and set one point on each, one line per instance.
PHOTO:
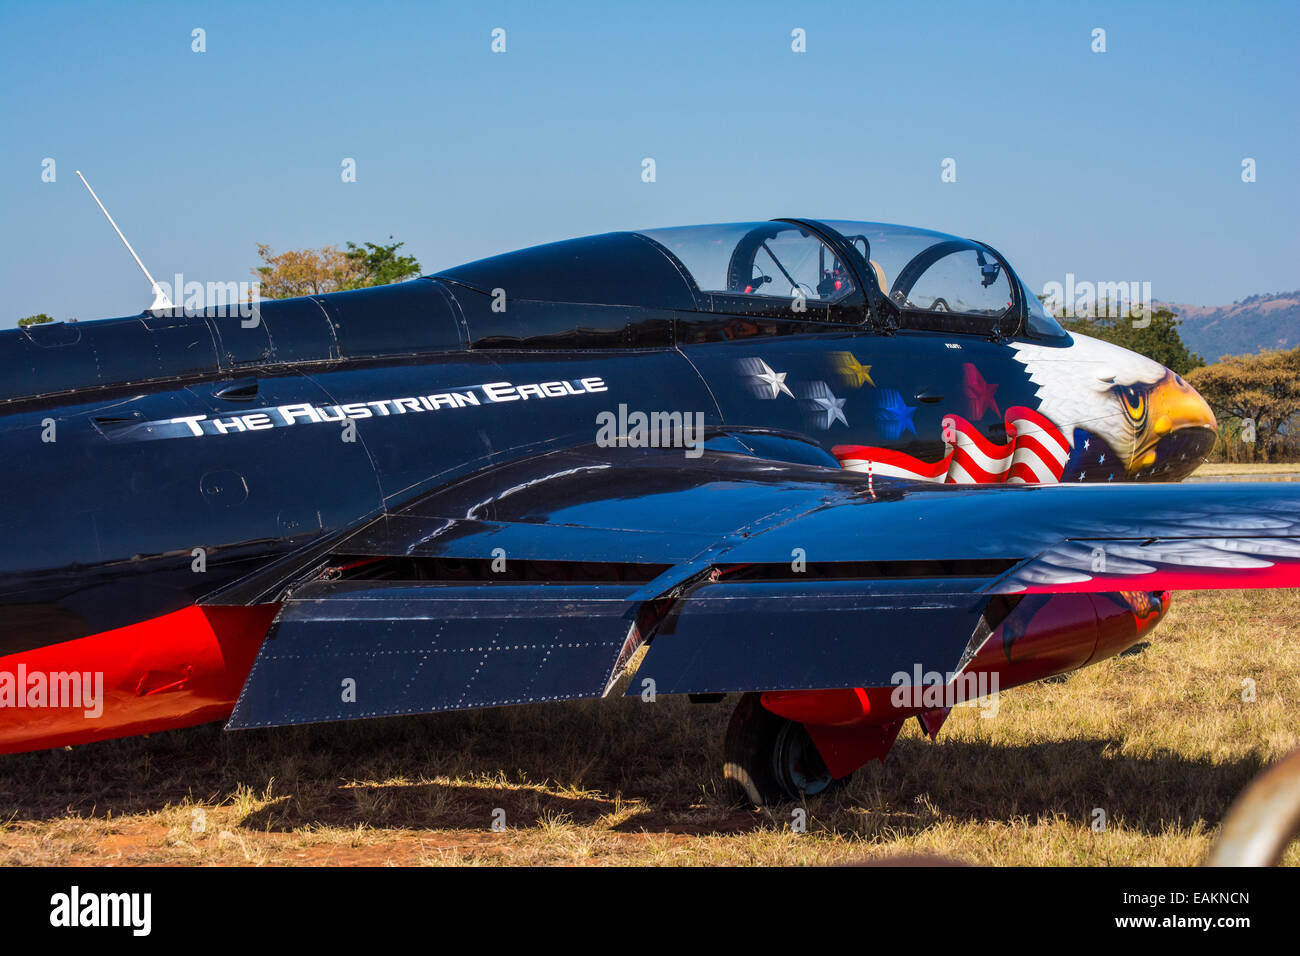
(845, 750)
(851, 726)
(177, 670)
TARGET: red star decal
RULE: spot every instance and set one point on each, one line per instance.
(979, 393)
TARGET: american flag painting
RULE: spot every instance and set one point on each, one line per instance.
(1035, 453)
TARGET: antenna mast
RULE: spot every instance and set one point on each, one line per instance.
(160, 301)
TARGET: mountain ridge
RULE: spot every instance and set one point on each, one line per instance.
(1268, 320)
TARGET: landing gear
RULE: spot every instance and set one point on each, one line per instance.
(769, 759)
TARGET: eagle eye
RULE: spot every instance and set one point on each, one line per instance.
(1135, 402)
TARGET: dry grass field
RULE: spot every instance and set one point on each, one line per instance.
(1260, 470)
(1161, 740)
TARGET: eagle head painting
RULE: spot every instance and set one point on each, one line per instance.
(1151, 424)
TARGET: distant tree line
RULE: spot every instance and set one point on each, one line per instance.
(316, 271)
(330, 269)
(1257, 401)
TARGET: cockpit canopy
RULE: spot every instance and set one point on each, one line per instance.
(765, 260)
(814, 271)
(929, 271)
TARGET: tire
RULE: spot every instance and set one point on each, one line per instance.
(770, 760)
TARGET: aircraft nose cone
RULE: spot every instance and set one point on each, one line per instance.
(1181, 426)
(1178, 405)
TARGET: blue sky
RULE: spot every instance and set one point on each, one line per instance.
(1123, 165)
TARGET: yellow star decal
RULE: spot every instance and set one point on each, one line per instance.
(852, 371)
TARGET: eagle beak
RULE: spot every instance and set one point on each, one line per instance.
(1177, 418)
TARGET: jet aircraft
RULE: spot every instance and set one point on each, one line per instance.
(851, 472)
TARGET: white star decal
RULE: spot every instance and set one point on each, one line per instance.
(832, 406)
(773, 380)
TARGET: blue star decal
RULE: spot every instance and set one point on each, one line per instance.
(893, 415)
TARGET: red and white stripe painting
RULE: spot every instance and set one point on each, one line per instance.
(1035, 453)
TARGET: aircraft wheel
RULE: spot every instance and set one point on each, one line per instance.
(769, 759)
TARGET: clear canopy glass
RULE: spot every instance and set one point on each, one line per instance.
(766, 259)
(931, 271)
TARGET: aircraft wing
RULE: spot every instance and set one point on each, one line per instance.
(542, 578)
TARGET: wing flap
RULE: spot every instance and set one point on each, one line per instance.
(347, 650)
(793, 636)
